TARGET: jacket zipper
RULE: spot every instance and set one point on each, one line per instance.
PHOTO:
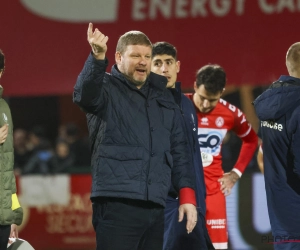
(150, 151)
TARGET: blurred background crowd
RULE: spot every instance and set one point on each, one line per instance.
(36, 154)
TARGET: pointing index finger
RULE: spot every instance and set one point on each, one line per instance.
(90, 30)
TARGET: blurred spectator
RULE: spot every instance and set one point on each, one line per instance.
(79, 147)
(21, 152)
(62, 132)
(36, 138)
(40, 161)
(63, 159)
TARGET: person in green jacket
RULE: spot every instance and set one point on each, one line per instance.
(11, 213)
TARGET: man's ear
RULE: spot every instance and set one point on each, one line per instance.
(222, 91)
(195, 86)
(1, 71)
(177, 66)
(118, 57)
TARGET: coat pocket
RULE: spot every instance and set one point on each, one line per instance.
(118, 164)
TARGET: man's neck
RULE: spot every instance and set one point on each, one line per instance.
(296, 75)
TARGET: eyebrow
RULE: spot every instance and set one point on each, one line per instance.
(139, 54)
(211, 100)
(165, 60)
(169, 60)
(157, 60)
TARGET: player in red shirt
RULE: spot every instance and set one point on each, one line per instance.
(215, 118)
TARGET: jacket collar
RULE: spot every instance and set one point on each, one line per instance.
(176, 92)
(178, 87)
(291, 79)
(1, 91)
(285, 81)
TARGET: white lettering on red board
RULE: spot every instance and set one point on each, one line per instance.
(107, 11)
(143, 9)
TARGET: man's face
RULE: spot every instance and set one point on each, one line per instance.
(135, 63)
(204, 100)
(167, 66)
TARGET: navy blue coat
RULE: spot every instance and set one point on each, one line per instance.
(278, 109)
(175, 235)
(191, 130)
(138, 142)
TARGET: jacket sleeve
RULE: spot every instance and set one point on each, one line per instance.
(89, 91)
(249, 146)
(295, 145)
(182, 161)
(18, 216)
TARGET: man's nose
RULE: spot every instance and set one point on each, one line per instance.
(206, 104)
(164, 68)
(143, 61)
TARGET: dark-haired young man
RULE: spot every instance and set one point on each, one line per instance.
(215, 118)
(138, 145)
(11, 212)
(165, 62)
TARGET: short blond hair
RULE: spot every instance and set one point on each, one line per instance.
(293, 58)
(132, 38)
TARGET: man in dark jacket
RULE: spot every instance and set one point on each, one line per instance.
(138, 145)
(11, 213)
(165, 62)
(278, 109)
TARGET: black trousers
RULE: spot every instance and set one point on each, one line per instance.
(4, 235)
(124, 224)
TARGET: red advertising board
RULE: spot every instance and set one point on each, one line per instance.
(64, 227)
(45, 41)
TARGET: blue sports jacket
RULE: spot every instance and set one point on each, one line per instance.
(175, 235)
(278, 109)
(191, 129)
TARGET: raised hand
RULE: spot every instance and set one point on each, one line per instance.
(98, 41)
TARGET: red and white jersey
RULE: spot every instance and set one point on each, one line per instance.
(212, 128)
